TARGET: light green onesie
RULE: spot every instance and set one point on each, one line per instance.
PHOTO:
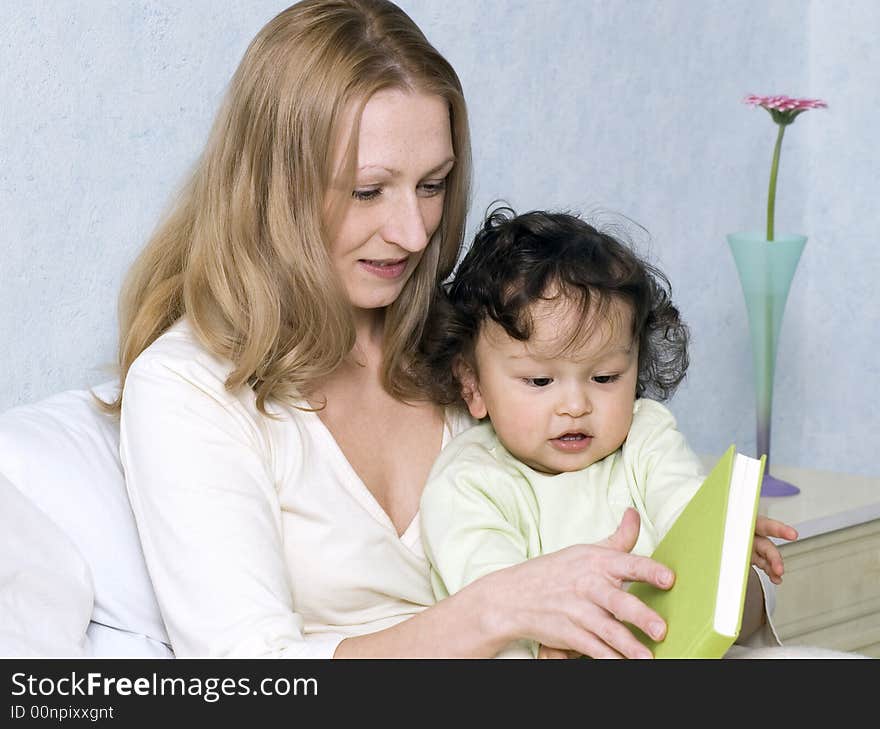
(483, 510)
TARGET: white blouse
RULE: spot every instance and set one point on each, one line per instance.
(260, 538)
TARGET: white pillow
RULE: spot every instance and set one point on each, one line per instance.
(63, 454)
(45, 585)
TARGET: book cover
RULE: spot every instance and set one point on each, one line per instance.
(709, 548)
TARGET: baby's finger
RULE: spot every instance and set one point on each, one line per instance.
(764, 565)
(767, 527)
(772, 569)
(760, 562)
(770, 553)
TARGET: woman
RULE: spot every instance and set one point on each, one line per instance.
(273, 435)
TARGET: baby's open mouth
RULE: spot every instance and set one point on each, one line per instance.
(574, 441)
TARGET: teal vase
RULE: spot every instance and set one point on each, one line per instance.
(766, 269)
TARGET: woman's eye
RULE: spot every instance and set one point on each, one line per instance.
(430, 189)
(366, 195)
(606, 379)
(538, 381)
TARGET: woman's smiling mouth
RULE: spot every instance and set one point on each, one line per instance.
(384, 268)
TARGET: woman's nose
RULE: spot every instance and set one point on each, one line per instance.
(406, 226)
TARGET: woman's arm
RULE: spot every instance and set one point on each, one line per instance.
(573, 599)
(201, 489)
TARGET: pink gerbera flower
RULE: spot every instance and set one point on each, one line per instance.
(784, 111)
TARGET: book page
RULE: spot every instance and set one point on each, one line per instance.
(735, 552)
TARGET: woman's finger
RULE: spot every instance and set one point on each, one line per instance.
(606, 613)
(627, 533)
(546, 652)
(627, 608)
(634, 568)
(591, 645)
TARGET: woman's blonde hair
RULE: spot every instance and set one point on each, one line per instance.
(243, 252)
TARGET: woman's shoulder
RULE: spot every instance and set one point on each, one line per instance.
(177, 359)
(178, 383)
(178, 346)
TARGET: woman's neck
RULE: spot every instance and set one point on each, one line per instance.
(369, 329)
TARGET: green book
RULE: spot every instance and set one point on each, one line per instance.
(709, 548)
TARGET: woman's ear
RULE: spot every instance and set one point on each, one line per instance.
(466, 375)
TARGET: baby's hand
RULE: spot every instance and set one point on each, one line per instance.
(765, 554)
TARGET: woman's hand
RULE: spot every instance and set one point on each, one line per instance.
(765, 554)
(575, 600)
(555, 653)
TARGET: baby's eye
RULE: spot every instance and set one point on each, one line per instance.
(430, 189)
(366, 195)
(606, 379)
(538, 381)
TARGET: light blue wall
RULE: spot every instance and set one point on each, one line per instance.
(623, 106)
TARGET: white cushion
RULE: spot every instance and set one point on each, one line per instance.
(45, 584)
(63, 454)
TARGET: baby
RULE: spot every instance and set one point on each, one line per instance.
(564, 341)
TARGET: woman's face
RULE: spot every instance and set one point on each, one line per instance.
(382, 224)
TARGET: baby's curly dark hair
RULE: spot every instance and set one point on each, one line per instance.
(516, 260)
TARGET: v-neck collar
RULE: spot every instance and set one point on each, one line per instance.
(355, 485)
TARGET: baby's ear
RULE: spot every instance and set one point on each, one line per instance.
(466, 375)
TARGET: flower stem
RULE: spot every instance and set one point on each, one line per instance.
(771, 194)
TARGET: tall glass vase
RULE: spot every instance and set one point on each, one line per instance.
(766, 269)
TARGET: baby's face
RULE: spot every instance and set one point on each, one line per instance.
(557, 412)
